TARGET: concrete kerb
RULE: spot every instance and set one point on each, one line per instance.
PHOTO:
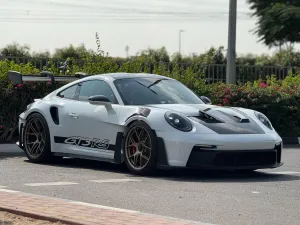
(69, 219)
(10, 150)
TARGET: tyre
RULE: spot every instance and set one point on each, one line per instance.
(36, 138)
(140, 149)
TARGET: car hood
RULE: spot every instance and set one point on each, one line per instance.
(222, 120)
(193, 110)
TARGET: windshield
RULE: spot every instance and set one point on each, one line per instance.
(144, 91)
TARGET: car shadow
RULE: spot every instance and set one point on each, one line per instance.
(187, 175)
(179, 175)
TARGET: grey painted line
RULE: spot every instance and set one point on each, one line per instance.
(50, 184)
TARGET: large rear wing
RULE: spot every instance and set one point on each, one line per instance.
(18, 78)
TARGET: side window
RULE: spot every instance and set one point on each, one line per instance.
(96, 87)
(68, 93)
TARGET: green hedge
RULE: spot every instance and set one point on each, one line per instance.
(279, 100)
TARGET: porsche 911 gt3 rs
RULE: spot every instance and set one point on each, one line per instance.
(146, 121)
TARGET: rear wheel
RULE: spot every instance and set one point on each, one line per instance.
(36, 138)
(140, 149)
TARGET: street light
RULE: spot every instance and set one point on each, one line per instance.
(231, 64)
(180, 31)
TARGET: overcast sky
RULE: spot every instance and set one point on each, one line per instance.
(50, 24)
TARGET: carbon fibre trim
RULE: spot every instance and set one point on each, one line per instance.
(230, 123)
(162, 154)
(235, 159)
(118, 148)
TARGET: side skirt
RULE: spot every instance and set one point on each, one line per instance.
(117, 153)
(84, 157)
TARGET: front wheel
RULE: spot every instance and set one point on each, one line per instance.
(140, 149)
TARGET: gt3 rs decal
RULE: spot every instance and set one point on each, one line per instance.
(85, 142)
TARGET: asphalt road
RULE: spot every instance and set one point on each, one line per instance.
(228, 198)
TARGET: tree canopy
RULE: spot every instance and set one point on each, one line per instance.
(278, 21)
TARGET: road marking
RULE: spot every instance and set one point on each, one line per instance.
(103, 207)
(255, 192)
(50, 184)
(285, 172)
(115, 180)
(8, 191)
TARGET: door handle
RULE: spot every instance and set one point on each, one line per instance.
(73, 115)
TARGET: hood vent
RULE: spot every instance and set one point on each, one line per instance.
(222, 118)
(239, 120)
(206, 118)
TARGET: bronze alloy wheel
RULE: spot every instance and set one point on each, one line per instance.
(35, 137)
(138, 147)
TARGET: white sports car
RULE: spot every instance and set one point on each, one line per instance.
(147, 121)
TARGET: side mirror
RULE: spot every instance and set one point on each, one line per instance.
(100, 100)
(206, 100)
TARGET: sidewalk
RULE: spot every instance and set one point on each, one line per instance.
(77, 213)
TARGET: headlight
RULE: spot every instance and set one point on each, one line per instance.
(263, 119)
(178, 122)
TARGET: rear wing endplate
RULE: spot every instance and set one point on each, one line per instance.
(18, 78)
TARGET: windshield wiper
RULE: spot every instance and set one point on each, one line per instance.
(146, 86)
(154, 83)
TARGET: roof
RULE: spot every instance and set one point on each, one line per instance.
(117, 76)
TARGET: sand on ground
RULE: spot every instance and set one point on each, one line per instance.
(13, 219)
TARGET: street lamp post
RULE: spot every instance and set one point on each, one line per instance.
(180, 31)
(231, 52)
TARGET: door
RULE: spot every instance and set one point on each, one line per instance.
(64, 124)
(93, 128)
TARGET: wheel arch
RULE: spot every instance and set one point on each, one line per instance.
(139, 118)
(162, 157)
(35, 110)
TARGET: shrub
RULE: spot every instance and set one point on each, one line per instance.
(279, 103)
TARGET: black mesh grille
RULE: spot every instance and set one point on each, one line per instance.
(245, 158)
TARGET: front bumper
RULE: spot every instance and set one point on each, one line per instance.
(237, 159)
(219, 151)
(21, 129)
